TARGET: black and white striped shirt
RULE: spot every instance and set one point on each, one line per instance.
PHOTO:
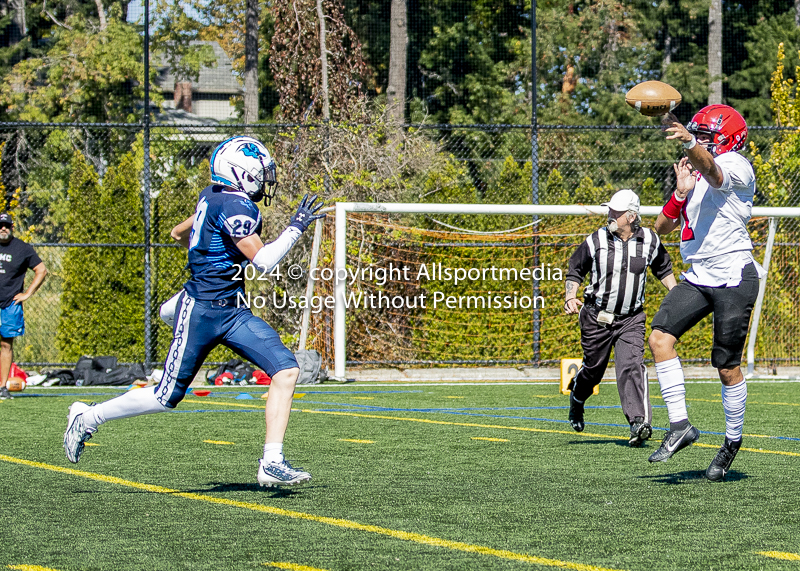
(618, 268)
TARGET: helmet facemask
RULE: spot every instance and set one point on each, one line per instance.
(270, 184)
(711, 146)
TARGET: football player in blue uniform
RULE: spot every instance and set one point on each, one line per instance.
(222, 236)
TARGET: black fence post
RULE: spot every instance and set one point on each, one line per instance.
(148, 337)
(537, 313)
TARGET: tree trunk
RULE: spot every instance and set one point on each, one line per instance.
(797, 13)
(323, 50)
(19, 26)
(667, 59)
(398, 61)
(101, 14)
(715, 52)
(251, 62)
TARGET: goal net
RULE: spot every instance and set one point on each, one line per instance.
(484, 286)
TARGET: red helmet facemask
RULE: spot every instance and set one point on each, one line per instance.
(726, 126)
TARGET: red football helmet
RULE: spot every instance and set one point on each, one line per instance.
(725, 125)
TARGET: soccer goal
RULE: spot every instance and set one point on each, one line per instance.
(405, 285)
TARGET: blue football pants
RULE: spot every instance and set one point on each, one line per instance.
(200, 326)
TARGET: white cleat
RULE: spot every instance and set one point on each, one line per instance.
(275, 474)
(76, 434)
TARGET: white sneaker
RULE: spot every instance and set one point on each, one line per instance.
(280, 474)
(76, 434)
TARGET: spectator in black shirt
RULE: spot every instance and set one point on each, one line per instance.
(16, 258)
(617, 257)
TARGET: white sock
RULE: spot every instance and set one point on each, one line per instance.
(273, 452)
(673, 390)
(133, 403)
(734, 399)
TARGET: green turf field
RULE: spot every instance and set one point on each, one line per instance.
(414, 476)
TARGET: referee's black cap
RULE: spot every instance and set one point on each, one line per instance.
(5, 219)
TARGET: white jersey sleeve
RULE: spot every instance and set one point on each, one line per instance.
(714, 220)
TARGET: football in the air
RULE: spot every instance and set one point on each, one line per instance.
(653, 98)
(15, 384)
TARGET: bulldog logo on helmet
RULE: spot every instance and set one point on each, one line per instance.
(251, 150)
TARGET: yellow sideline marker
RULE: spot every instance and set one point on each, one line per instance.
(408, 536)
(218, 442)
(292, 566)
(780, 555)
(30, 568)
(489, 439)
(570, 368)
(357, 441)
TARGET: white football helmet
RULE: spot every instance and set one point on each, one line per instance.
(244, 163)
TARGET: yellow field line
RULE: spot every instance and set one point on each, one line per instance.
(502, 427)
(447, 423)
(357, 441)
(520, 428)
(336, 522)
(758, 450)
(30, 568)
(748, 402)
(292, 566)
(780, 555)
(222, 442)
(259, 407)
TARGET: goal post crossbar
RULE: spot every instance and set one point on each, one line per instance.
(340, 254)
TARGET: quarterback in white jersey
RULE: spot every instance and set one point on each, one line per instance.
(712, 204)
(714, 237)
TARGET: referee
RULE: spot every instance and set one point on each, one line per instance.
(616, 256)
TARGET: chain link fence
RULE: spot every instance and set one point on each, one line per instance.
(76, 194)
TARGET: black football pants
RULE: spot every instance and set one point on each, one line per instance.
(626, 337)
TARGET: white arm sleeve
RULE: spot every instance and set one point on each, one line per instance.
(270, 254)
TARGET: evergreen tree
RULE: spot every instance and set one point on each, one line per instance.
(101, 305)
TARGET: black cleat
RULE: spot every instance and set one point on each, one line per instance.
(723, 460)
(674, 441)
(640, 431)
(575, 414)
(5, 394)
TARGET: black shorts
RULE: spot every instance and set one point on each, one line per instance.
(686, 304)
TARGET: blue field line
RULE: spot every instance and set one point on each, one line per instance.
(29, 394)
(559, 421)
(178, 411)
(229, 394)
(299, 389)
(612, 425)
(377, 408)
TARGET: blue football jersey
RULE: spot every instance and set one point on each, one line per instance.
(222, 214)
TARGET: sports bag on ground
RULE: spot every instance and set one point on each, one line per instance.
(311, 371)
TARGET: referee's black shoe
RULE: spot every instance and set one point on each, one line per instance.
(723, 460)
(575, 414)
(640, 431)
(675, 440)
